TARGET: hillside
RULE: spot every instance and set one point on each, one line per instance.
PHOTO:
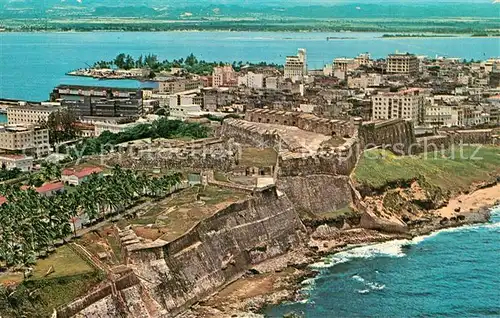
(381, 169)
(238, 9)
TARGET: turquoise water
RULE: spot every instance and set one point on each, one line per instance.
(32, 64)
(451, 273)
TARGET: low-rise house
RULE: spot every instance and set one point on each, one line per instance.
(52, 188)
(48, 189)
(22, 162)
(364, 80)
(184, 111)
(77, 177)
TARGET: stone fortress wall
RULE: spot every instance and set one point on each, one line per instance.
(339, 160)
(248, 133)
(210, 153)
(294, 159)
(218, 250)
(308, 176)
(445, 139)
(304, 121)
(306, 173)
(398, 136)
(395, 134)
(172, 276)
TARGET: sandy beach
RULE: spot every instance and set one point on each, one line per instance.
(471, 202)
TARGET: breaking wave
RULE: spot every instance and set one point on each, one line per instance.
(395, 248)
(371, 285)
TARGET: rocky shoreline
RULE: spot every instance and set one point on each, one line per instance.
(280, 279)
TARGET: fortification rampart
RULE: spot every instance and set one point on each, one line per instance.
(478, 136)
(308, 168)
(204, 143)
(304, 121)
(294, 159)
(168, 277)
(217, 250)
(334, 161)
(250, 134)
(109, 290)
(396, 134)
(458, 137)
(201, 154)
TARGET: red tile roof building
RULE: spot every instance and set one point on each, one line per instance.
(75, 177)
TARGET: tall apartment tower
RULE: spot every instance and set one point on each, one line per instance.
(296, 65)
(302, 54)
(406, 104)
(402, 63)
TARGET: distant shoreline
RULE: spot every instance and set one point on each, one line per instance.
(327, 38)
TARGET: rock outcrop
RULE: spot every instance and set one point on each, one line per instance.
(389, 224)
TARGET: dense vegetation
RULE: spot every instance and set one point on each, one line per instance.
(31, 223)
(382, 24)
(191, 64)
(37, 298)
(161, 128)
(9, 174)
(379, 168)
(61, 126)
(49, 171)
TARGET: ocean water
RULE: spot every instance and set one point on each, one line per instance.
(32, 64)
(450, 273)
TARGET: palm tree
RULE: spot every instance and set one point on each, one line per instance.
(30, 223)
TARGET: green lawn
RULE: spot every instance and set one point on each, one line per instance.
(453, 170)
(64, 263)
(40, 294)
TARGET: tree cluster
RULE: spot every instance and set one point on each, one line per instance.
(49, 171)
(191, 64)
(61, 126)
(9, 174)
(30, 223)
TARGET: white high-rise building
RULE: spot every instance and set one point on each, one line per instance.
(407, 104)
(402, 63)
(31, 114)
(302, 54)
(296, 66)
(251, 80)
